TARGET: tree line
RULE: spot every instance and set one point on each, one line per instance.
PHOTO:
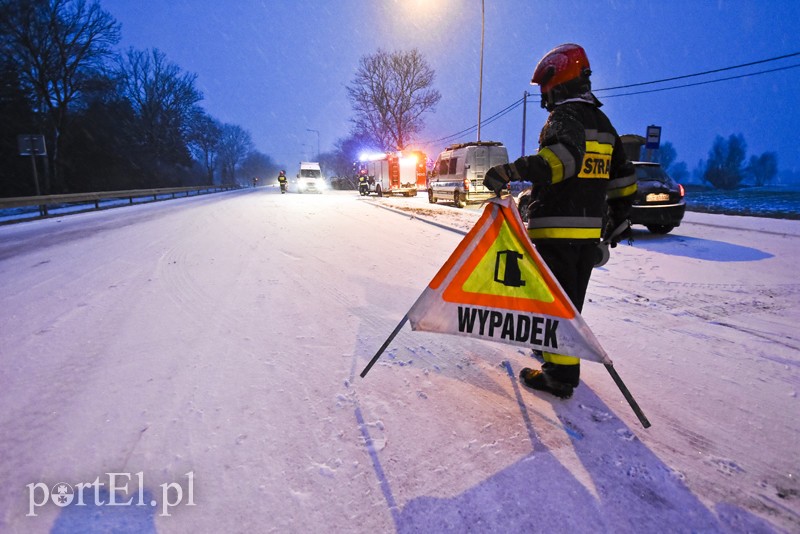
(727, 166)
(111, 120)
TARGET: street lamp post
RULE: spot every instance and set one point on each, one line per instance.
(480, 83)
(316, 132)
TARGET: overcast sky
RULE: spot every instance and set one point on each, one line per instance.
(279, 68)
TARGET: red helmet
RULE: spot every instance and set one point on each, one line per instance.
(560, 65)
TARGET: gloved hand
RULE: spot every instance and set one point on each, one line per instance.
(497, 178)
(616, 230)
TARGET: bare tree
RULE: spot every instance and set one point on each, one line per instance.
(259, 165)
(665, 155)
(340, 161)
(163, 99)
(724, 166)
(389, 94)
(679, 172)
(235, 145)
(205, 134)
(763, 168)
(57, 45)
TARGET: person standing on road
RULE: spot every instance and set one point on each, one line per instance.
(363, 185)
(580, 177)
(282, 181)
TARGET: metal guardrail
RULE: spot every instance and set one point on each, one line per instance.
(43, 201)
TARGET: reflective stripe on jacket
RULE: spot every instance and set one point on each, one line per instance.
(580, 165)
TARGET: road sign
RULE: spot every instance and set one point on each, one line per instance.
(31, 145)
(653, 137)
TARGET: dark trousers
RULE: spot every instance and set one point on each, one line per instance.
(571, 263)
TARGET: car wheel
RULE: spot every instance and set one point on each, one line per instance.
(431, 198)
(458, 201)
(660, 228)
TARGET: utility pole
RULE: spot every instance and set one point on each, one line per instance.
(480, 83)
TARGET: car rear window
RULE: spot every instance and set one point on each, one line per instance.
(654, 173)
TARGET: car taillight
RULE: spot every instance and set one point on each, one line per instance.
(682, 190)
(466, 183)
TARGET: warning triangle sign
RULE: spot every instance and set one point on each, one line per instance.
(495, 286)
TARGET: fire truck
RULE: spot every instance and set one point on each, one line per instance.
(395, 173)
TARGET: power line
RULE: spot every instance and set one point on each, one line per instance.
(702, 83)
(702, 73)
(488, 120)
(516, 104)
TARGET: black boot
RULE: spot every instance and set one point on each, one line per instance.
(569, 374)
(559, 380)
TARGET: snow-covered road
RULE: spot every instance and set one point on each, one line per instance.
(213, 344)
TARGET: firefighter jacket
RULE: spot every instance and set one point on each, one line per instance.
(580, 171)
(282, 178)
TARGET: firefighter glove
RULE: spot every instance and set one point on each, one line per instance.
(497, 178)
(617, 230)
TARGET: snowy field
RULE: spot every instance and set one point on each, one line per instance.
(202, 356)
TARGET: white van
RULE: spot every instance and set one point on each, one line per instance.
(457, 175)
(309, 179)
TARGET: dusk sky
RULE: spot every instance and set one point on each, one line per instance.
(279, 68)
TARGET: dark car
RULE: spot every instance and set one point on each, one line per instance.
(659, 203)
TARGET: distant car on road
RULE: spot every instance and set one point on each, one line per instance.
(659, 204)
(660, 201)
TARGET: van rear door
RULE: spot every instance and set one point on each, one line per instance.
(481, 159)
(478, 165)
(498, 155)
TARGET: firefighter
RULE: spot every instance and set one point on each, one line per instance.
(581, 177)
(363, 182)
(282, 181)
